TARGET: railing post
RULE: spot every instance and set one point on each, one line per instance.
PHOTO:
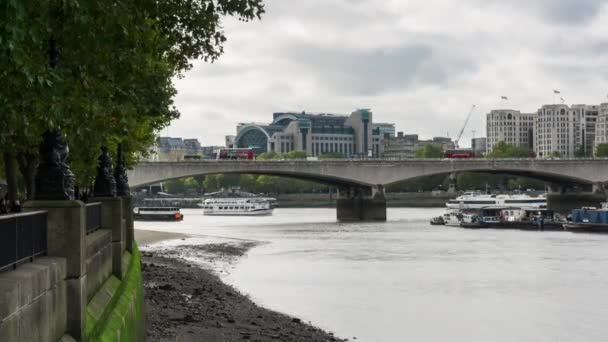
(66, 238)
(66, 225)
(127, 212)
(111, 219)
(111, 209)
(123, 191)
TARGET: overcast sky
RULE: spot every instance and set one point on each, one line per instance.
(420, 64)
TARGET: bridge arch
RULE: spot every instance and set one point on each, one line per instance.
(335, 180)
(548, 177)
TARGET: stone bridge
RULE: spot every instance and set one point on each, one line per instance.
(361, 182)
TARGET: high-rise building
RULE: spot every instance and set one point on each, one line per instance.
(349, 135)
(511, 126)
(557, 131)
(587, 128)
(601, 128)
(478, 145)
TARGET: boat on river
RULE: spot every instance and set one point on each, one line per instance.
(477, 200)
(437, 221)
(157, 214)
(253, 206)
(452, 218)
(589, 220)
(512, 218)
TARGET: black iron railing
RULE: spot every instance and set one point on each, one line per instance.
(22, 237)
(93, 221)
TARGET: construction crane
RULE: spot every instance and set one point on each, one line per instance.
(457, 140)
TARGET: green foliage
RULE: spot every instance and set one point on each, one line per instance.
(296, 154)
(466, 181)
(429, 151)
(332, 155)
(268, 156)
(504, 150)
(249, 183)
(580, 152)
(556, 154)
(428, 183)
(272, 155)
(103, 86)
(601, 150)
(123, 318)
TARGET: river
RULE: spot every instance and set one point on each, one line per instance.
(405, 280)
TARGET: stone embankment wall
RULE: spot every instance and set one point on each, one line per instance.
(88, 288)
(33, 301)
(116, 312)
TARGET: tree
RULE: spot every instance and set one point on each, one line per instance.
(579, 152)
(429, 151)
(103, 86)
(268, 155)
(601, 150)
(331, 155)
(556, 154)
(504, 150)
(295, 154)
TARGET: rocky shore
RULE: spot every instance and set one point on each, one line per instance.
(187, 302)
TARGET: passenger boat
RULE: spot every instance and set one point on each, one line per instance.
(452, 218)
(483, 218)
(238, 206)
(157, 214)
(589, 220)
(477, 200)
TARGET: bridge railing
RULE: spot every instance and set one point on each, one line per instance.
(23, 236)
(343, 160)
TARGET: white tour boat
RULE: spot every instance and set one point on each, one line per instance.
(477, 200)
(452, 218)
(238, 206)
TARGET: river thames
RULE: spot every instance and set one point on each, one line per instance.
(405, 280)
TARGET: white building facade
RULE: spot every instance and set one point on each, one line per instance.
(601, 128)
(510, 126)
(557, 131)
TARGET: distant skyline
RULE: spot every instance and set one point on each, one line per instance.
(418, 64)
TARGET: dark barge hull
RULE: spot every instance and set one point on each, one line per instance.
(139, 217)
(586, 227)
(514, 225)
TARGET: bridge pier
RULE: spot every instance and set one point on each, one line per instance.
(563, 198)
(359, 203)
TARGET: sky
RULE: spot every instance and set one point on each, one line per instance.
(420, 64)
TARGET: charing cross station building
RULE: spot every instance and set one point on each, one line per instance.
(350, 135)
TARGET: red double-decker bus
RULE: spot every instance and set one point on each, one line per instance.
(459, 154)
(235, 154)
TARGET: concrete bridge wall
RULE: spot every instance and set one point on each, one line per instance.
(378, 172)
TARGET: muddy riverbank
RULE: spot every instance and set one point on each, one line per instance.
(187, 302)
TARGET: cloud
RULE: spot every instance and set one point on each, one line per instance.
(419, 63)
(573, 11)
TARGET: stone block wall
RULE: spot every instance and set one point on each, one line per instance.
(99, 260)
(33, 301)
